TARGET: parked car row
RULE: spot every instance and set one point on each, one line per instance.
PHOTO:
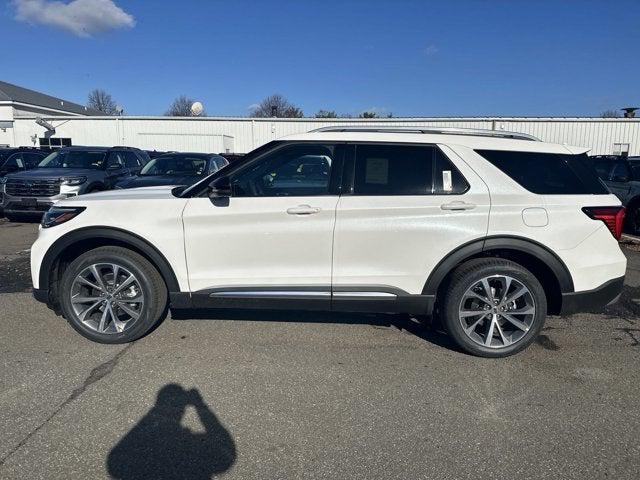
(33, 180)
(622, 176)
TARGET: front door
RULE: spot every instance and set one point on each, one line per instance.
(272, 239)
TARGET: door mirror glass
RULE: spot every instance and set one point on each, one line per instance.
(220, 188)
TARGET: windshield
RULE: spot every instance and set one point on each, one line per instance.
(4, 155)
(175, 165)
(73, 159)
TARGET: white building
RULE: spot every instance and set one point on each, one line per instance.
(68, 123)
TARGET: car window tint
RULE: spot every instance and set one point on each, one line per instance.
(603, 168)
(175, 165)
(548, 173)
(294, 170)
(620, 172)
(32, 159)
(116, 158)
(131, 160)
(393, 170)
(15, 161)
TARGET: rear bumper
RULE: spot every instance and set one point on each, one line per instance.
(592, 300)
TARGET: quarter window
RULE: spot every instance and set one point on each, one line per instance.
(294, 170)
(548, 173)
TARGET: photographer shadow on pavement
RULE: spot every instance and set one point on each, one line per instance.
(159, 447)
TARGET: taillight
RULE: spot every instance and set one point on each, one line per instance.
(613, 218)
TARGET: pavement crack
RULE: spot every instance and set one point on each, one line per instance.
(96, 374)
(631, 332)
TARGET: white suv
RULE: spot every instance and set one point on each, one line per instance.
(490, 231)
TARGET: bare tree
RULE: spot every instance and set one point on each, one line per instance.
(326, 114)
(181, 107)
(276, 105)
(611, 114)
(101, 100)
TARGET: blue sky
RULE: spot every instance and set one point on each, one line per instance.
(412, 58)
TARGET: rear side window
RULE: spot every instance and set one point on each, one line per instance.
(548, 173)
(405, 170)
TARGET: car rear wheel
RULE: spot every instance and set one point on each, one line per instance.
(112, 295)
(494, 307)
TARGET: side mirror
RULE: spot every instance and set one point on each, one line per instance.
(621, 178)
(221, 188)
(113, 166)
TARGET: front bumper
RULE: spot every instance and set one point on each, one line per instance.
(29, 205)
(592, 300)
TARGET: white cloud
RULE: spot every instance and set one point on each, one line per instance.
(83, 18)
(430, 50)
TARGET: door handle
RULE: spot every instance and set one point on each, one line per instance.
(457, 206)
(303, 210)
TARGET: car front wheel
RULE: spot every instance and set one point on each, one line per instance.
(494, 307)
(112, 295)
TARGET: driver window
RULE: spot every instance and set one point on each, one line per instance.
(115, 158)
(295, 170)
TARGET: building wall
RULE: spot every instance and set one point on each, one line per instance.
(241, 135)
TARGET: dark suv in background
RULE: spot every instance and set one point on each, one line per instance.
(65, 173)
(20, 158)
(622, 176)
(175, 169)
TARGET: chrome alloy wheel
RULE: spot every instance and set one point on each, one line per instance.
(107, 298)
(497, 311)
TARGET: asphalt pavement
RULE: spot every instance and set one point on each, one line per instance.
(312, 395)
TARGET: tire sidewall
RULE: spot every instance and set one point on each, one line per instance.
(457, 290)
(141, 326)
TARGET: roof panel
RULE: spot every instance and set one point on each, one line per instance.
(14, 93)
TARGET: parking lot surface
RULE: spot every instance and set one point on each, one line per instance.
(300, 395)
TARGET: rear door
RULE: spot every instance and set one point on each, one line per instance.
(407, 207)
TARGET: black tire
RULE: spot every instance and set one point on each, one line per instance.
(469, 274)
(18, 218)
(150, 282)
(13, 218)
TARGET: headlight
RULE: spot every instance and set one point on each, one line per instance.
(73, 180)
(58, 215)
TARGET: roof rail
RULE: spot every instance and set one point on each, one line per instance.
(475, 132)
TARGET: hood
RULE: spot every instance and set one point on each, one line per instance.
(130, 194)
(53, 173)
(157, 180)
